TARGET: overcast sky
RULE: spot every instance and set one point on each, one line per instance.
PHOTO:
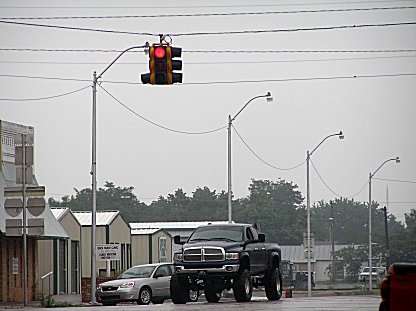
(364, 84)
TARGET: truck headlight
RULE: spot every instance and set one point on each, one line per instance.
(232, 256)
(177, 257)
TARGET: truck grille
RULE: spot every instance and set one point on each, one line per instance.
(196, 254)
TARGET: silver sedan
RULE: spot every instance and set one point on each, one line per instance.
(142, 284)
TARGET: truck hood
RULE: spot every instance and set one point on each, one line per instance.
(216, 243)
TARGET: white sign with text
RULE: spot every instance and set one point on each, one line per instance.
(108, 252)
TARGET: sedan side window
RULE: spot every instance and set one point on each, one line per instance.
(171, 268)
(163, 271)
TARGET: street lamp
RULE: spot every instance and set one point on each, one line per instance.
(308, 207)
(230, 121)
(370, 251)
(94, 168)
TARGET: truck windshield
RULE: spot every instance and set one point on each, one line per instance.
(230, 234)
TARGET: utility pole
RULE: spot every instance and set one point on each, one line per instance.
(24, 220)
(386, 230)
(95, 81)
(333, 242)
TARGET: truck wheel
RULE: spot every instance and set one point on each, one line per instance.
(273, 285)
(212, 295)
(178, 292)
(243, 289)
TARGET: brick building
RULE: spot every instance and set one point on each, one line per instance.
(11, 242)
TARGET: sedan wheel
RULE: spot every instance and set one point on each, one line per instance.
(145, 296)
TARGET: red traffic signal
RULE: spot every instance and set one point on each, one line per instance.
(160, 52)
(161, 65)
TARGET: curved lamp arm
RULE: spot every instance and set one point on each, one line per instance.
(269, 98)
(397, 159)
(340, 134)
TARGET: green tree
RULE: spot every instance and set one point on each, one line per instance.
(208, 205)
(350, 222)
(172, 208)
(109, 197)
(351, 258)
(276, 206)
(403, 244)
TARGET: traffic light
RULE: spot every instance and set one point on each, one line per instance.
(161, 65)
(173, 77)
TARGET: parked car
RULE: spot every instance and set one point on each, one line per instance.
(142, 284)
(377, 274)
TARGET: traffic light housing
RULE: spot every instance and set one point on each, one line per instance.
(161, 65)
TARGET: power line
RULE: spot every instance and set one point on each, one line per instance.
(333, 192)
(44, 98)
(258, 157)
(398, 202)
(201, 6)
(158, 125)
(210, 14)
(44, 78)
(245, 32)
(238, 32)
(395, 180)
(214, 62)
(65, 50)
(215, 51)
(224, 82)
(298, 51)
(300, 79)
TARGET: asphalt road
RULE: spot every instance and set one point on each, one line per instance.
(327, 303)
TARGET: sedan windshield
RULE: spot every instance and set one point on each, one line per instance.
(137, 272)
(225, 233)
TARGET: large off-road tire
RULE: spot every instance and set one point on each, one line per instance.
(243, 288)
(179, 293)
(273, 285)
(145, 296)
(212, 295)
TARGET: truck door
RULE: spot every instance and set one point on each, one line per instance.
(257, 252)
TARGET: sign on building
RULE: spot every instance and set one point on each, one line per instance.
(108, 252)
(162, 249)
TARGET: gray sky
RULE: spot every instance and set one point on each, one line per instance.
(315, 95)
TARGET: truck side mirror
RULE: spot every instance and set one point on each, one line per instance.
(262, 237)
(177, 240)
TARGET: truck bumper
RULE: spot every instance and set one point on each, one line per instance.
(224, 269)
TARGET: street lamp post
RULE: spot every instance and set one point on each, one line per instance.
(308, 207)
(370, 251)
(94, 168)
(230, 121)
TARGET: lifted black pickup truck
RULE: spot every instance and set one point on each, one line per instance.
(226, 256)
